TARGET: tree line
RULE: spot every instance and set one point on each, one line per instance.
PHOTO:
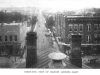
(8, 17)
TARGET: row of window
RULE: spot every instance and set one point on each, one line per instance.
(82, 19)
(10, 31)
(96, 38)
(76, 27)
(10, 38)
(89, 37)
(88, 27)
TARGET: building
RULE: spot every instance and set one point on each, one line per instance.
(12, 37)
(88, 27)
(60, 25)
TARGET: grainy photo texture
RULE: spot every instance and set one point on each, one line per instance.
(50, 34)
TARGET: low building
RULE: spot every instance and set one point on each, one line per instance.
(12, 37)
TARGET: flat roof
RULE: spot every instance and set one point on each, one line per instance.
(82, 16)
(10, 24)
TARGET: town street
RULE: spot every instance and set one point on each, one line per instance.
(43, 42)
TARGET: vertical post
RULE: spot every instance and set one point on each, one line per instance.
(31, 41)
(75, 55)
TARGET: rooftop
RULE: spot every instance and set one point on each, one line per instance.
(43, 61)
(12, 23)
(82, 16)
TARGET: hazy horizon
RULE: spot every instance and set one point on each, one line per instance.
(53, 5)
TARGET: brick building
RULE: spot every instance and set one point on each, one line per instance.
(88, 27)
(12, 37)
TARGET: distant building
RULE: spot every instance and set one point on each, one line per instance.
(88, 27)
(12, 37)
(60, 25)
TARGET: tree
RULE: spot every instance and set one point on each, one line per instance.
(50, 23)
(8, 17)
(1, 16)
(33, 21)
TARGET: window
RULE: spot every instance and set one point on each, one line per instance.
(99, 27)
(80, 27)
(95, 37)
(5, 38)
(75, 27)
(68, 19)
(71, 19)
(74, 19)
(82, 36)
(10, 37)
(88, 27)
(0, 38)
(95, 27)
(99, 37)
(15, 37)
(69, 36)
(70, 27)
(88, 38)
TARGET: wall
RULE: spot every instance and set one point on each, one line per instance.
(8, 30)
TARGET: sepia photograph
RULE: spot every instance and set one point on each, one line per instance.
(50, 34)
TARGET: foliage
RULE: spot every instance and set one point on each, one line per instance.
(34, 20)
(9, 17)
(50, 22)
(90, 12)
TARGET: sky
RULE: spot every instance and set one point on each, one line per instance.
(53, 5)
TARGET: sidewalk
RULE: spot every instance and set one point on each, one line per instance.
(4, 62)
(11, 62)
(18, 62)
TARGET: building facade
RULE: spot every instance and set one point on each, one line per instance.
(88, 27)
(12, 37)
(60, 25)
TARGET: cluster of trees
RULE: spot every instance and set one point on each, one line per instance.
(97, 11)
(33, 20)
(90, 12)
(9, 17)
(84, 12)
(50, 23)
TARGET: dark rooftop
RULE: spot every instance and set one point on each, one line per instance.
(43, 60)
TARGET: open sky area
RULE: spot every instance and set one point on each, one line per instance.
(53, 5)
